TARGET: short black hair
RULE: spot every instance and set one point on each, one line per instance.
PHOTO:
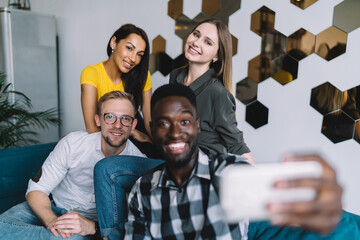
(173, 89)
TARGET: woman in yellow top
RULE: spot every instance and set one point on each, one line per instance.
(125, 70)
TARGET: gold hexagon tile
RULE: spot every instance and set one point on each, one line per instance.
(263, 21)
(357, 131)
(303, 4)
(210, 7)
(159, 60)
(175, 8)
(158, 44)
(234, 44)
(259, 68)
(300, 44)
(330, 43)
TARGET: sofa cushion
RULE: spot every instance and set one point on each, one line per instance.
(17, 166)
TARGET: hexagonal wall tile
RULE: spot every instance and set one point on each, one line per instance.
(351, 102)
(257, 114)
(184, 25)
(259, 68)
(338, 126)
(303, 4)
(175, 8)
(227, 7)
(246, 90)
(330, 43)
(284, 69)
(210, 7)
(273, 44)
(263, 21)
(326, 98)
(234, 41)
(346, 15)
(300, 44)
(357, 131)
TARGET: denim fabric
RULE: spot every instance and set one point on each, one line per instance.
(113, 178)
(19, 222)
(348, 228)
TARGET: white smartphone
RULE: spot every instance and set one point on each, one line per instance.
(246, 190)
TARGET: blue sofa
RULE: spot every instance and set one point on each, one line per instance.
(17, 166)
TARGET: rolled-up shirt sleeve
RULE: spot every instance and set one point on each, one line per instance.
(54, 169)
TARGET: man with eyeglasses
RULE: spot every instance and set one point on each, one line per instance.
(67, 174)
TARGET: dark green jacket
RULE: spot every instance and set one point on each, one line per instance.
(216, 109)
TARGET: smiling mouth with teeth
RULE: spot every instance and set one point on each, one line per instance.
(177, 146)
(193, 50)
(127, 65)
(116, 134)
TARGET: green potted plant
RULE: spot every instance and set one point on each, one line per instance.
(17, 123)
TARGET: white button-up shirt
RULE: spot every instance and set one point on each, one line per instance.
(67, 173)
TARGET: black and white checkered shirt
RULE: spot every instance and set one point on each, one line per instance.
(158, 209)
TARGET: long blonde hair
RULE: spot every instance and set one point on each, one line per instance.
(223, 67)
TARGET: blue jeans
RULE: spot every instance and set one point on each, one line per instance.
(19, 222)
(114, 177)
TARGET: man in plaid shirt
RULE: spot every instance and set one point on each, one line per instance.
(179, 199)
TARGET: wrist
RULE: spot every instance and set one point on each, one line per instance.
(96, 229)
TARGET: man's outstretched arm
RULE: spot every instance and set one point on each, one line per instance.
(321, 214)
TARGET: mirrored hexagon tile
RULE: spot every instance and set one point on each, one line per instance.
(330, 43)
(350, 103)
(346, 15)
(357, 131)
(246, 90)
(184, 25)
(257, 114)
(234, 41)
(326, 98)
(227, 8)
(175, 8)
(263, 21)
(338, 126)
(284, 69)
(303, 4)
(300, 44)
(210, 7)
(159, 60)
(273, 44)
(259, 68)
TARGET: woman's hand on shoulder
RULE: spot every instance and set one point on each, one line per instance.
(140, 136)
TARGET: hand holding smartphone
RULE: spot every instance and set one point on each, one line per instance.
(246, 190)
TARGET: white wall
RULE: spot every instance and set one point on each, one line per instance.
(84, 28)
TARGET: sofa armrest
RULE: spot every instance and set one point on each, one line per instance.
(17, 166)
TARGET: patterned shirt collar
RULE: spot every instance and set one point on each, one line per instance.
(201, 170)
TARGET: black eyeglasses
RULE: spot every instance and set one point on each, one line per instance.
(111, 118)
